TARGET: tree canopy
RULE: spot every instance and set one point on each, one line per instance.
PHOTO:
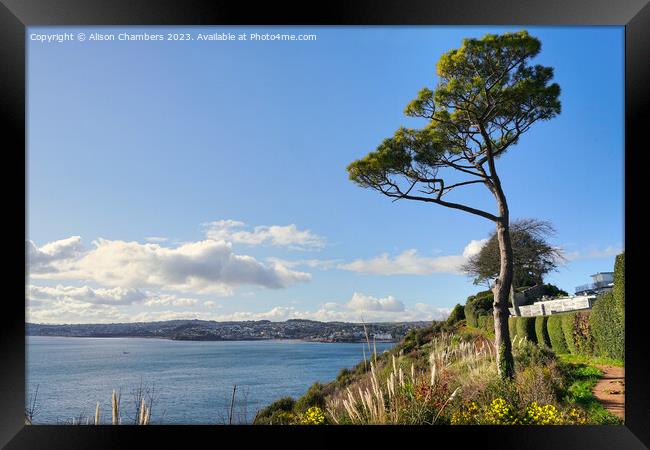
(487, 96)
(533, 255)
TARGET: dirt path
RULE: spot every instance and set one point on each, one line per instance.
(610, 390)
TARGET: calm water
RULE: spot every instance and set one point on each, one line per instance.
(193, 380)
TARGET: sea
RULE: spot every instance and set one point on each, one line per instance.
(190, 382)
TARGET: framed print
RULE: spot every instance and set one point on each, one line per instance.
(361, 220)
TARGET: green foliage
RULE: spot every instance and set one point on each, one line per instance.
(478, 305)
(619, 287)
(568, 328)
(506, 363)
(457, 314)
(467, 92)
(581, 380)
(541, 331)
(512, 327)
(533, 255)
(607, 327)
(279, 412)
(313, 397)
(607, 318)
(486, 323)
(553, 291)
(528, 354)
(556, 335)
(526, 328)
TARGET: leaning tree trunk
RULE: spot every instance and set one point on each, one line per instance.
(501, 290)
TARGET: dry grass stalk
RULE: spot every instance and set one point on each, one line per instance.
(97, 414)
(141, 412)
(115, 409)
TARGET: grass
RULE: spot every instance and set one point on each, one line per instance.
(582, 379)
(449, 377)
(591, 360)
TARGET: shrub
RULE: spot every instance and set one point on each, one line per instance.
(607, 327)
(457, 314)
(568, 327)
(313, 416)
(552, 291)
(478, 305)
(528, 354)
(486, 323)
(313, 397)
(279, 412)
(556, 335)
(540, 331)
(539, 384)
(582, 334)
(525, 327)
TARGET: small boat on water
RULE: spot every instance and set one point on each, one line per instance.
(126, 353)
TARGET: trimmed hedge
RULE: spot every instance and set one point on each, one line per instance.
(568, 328)
(512, 326)
(525, 327)
(607, 318)
(619, 286)
(541, 332)
(556, 335)
(607, 327)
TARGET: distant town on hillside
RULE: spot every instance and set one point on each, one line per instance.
(203, 330)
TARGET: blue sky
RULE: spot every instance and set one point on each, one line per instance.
(232, 156)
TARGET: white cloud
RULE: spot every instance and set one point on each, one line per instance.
(276, 235)
(85, 294)
(165, 300)
(410, 263)
(361, 302)
(338, 313)
(41, 259)
(211, 304)
(71, 311)
(208, 266)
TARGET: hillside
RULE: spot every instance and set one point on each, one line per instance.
(446, 374)
(202, 330)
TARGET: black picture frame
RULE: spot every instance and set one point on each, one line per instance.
(16, 15)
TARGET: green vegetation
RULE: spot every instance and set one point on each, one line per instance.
(568, 329)
(457, 314)
(448, 374)
(582, 378)
(556, 335)
(541, 331)
(607, 318)
(525, 327)
(607, 327)
(280, 412)
(477, 306)
(512, 327)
